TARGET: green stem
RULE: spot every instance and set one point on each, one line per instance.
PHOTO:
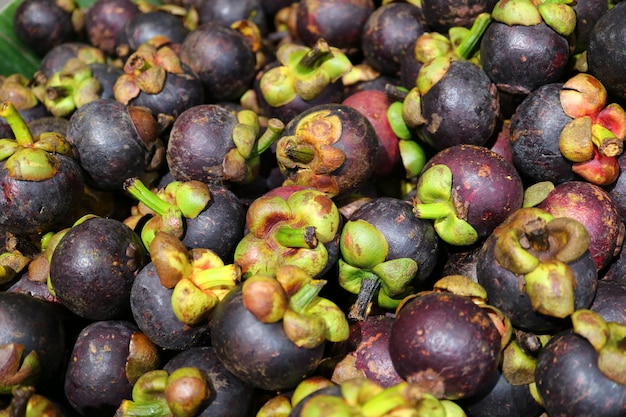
(20, 129)
(136, 188)
(303, 297)
(144, 409)
(432, 210)
(296, 237)
(275, 128)
(465, 48)
(225, 276)
(299, 152)
(314, 57)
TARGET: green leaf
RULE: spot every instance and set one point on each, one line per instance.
(16, 57)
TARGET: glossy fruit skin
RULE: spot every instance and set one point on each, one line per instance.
(388, 33)
(37, 325)
(199, 139)
(333, 93)
(142, 27)
(521, 70)
(339, 22)
(505, 400)
(105, 20)
(407, 236)
(96, 380)
(151, 305)
(228, 12)
(442, 15)
(588, 12)
(449, 338)
(461, 108)
(592, 206)
(28, 207)
(41, 25)
(357, 141)
(484, 180)
(180, 92)
(610, 301)
(535, 136)
(108, 144)
(231, 397)
(257, 353)
(220, 226)
(605, 56)
(374, 105)
(369, 344)
(93, 268)
(567, 368)
(210, 51)
(505, 293)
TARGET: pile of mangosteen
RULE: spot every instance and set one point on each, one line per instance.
(284, 208)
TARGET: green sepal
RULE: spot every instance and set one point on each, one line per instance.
(396, 275)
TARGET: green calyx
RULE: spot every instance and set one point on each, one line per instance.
(607, 338)
(364, 397)
(303, 72)
(292, 296)
(158, 393)
(241, 163)
(534, 244)
(25, 402)
(557, 14)
(170, 206)
(435, 200)
(70, 88)
(364, 270)
(291, 230)
(198, 277)
(19, 368)
(461, 42)
(29, 158)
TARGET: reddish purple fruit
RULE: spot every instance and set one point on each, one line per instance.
(447, 343)
(593, 207)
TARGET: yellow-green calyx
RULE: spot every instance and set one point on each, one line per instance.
(292, 296)
(303, 72)
(533, 244)
(241, 163)
(199, 278)
(435, 200)
(558, 15)
(364, 270)
(607, 338)
(29, 158)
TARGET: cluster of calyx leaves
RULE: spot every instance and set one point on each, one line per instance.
(20, 368)
(594, 138)
(71, 87)
(289, 230)
(199, 278)
(436, 200)
(359, 397)
(29, 158)
(146, 69)
(241, 163)
(607, 338)
(363, 269)
(557, 14)
(157, 393)
(168, 206)
(303, 72)
(25, 402)
(534, 244)
(292, 295)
